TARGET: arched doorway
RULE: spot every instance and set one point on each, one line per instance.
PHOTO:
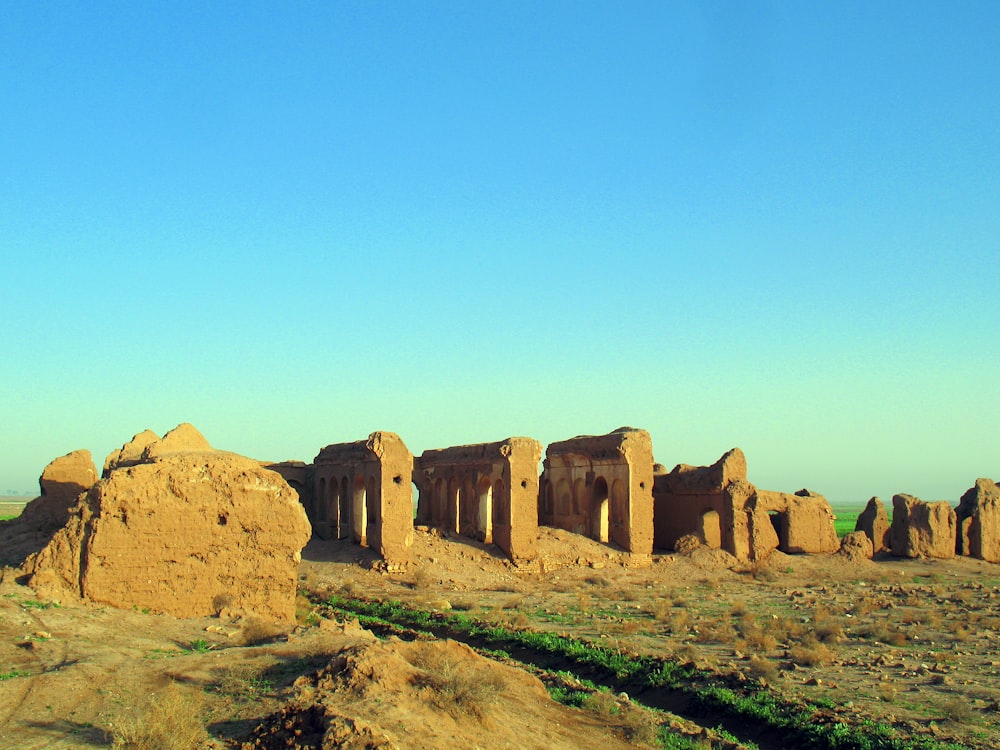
(599, 510)
(454, 505)
(484, 511)
(344, 514)
(359, 527)
(321, 501)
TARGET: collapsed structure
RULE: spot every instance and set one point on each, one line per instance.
(487, 491)
(362, 492)
(175, 526)
(723, 510)
(602, 487)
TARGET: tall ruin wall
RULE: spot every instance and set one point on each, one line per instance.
(487, 491)
(362, 491)
(601, 486)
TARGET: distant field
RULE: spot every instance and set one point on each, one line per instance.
(11, 507)
(847, 519)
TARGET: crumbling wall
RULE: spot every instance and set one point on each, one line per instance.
(363, 492)
(601, 486)
(488, 491)
(692, 499)
(978, 518)
(922, 529)
(189, 533)
(874, 522)
(61, 483)
(718, 505)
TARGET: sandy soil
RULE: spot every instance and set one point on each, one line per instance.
(909, 643)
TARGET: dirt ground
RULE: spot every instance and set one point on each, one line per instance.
(908, 643)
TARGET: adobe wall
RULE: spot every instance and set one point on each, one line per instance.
(692, 500)
(718, 505)
(922, 529)
(487, 491)
(978, 516)
(362, 492)
(601, 486)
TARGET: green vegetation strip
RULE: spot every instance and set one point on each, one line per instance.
(799, 723)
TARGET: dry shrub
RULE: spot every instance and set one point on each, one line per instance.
(959, 633)
(463, 605)
(602, 703)
(759, 639)
(254, 631)
(660, 610)
(828, 631)
(456, 687)
(887, 692)
(786, 629)
(243, 682)
(863, 606)
(513, 602)
(810, 654)
(687, 653)
(957, 709)
(423, 578)
(881, 633)
(739, 609)
(350, 589)
(584, 602)
(521, 621)
(716, 632)
(596, 580)
(760, 570)
(765, 668)
(631, 627)
(679, 622)
(640, 727)
(170, 722)
(220, 602)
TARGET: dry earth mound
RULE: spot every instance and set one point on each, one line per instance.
(187, 532)
(384, 695)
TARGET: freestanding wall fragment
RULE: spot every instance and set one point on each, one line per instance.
(487, 491)
(978, 518)
(874, 522)
(601, 486)
(922, 529)
(692, 500)
(363, 491)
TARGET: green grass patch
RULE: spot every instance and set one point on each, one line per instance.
(845, 522)
(800, 723)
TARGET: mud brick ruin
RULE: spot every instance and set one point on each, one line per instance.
(487, 491)
(718, 506)
(601, 487)
(177, 526)
(362, 491)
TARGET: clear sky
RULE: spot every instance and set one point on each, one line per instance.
(766, 225)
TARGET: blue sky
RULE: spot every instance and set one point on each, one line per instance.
(771, 225)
